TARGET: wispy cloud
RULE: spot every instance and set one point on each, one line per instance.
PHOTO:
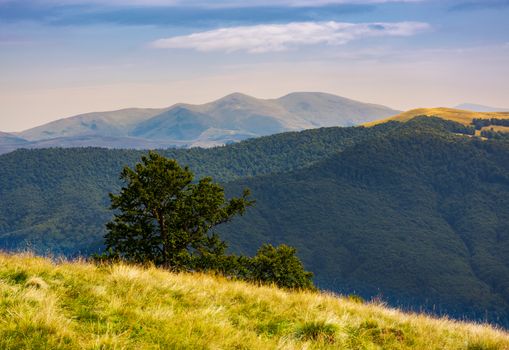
(281, 37)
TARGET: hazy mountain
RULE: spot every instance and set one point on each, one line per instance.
(230, 119)
(112, 124)
(10, 142)
(480, 108)
(322, 109)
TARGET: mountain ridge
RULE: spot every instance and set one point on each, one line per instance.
(229, 119)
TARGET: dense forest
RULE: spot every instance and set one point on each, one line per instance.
(56, 200)
(418, 217)
(414, 213)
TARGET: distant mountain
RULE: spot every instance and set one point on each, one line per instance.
(480, 108)
(230, 119)
(107, 124)
(10, 142)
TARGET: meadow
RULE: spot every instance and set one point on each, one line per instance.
(79, 305)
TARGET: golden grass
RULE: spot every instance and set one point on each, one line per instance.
(77, 305)
(457, 115)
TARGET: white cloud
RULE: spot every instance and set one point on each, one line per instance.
(281, 37)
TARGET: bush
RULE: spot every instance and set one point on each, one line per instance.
(280, 265)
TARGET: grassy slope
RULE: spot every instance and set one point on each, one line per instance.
(457, 115)
(82, 306)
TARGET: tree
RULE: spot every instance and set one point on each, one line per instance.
(165, 218)
(280, 265)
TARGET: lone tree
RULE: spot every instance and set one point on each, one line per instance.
(165, 218)
(280, 265)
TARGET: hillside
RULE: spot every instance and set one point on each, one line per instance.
(411, 212)
(82, 306)
(460, 116)
(56, 199)
(418, 216)
(230, 119)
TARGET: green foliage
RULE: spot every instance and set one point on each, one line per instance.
(419, 217)
(164, 218)
(492, 134)
(480, 123)
(55, 200)
(279, 265)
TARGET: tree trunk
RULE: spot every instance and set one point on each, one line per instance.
(164, 238)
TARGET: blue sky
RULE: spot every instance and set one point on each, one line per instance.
(59, 58)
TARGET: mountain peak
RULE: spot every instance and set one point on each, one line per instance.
(301, 94)
(237, 96)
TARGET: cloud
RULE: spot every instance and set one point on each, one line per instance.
(281, 37)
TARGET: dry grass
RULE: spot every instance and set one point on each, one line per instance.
(457, 115)
(77, 305)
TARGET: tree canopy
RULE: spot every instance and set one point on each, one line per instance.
(165, 218)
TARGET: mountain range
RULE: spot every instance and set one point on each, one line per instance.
(230, 119)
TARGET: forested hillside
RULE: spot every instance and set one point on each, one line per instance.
(56, 200)
(416, 213)
(418, 217)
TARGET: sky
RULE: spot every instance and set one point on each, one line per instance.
(61, 58)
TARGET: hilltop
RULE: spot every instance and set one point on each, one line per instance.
(77, 305)
(232, 118)
(464, 117)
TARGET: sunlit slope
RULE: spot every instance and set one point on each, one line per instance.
(81, 306)
(457, 115)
